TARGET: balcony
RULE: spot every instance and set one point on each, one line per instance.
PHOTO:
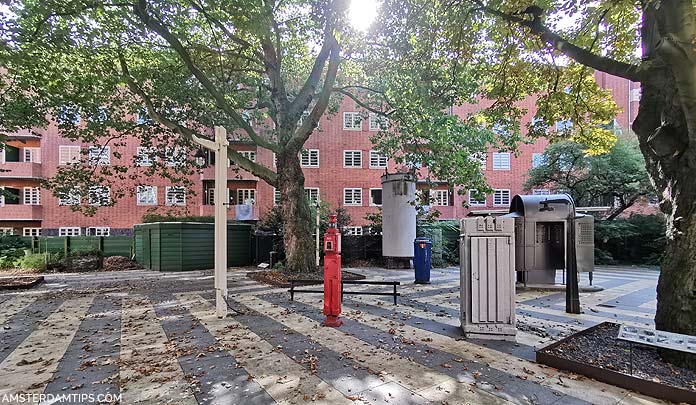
(20, 170)
(20, 212)
(209, 210)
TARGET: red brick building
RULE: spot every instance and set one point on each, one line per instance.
(340, 168)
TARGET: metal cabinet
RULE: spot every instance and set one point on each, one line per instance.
(487, 278)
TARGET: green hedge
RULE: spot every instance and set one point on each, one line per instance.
(639, 239)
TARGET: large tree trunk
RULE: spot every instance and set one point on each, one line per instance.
(663, 134)
(296, 213)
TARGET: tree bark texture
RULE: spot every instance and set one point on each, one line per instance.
(296, 213)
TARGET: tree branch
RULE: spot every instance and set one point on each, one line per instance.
(636, 73)
(140, 10)
(257, 169)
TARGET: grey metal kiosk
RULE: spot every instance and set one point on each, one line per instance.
(541, 229)
(488, 278)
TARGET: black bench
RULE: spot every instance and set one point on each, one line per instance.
(304, 282)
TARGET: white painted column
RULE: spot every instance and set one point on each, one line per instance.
(221, 204)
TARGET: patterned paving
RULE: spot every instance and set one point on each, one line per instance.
(143, 337)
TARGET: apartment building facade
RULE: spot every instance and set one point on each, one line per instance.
(340, 165)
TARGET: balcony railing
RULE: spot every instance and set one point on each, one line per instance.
(20, 170)
(20, 212)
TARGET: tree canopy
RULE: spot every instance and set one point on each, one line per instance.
(617, 179)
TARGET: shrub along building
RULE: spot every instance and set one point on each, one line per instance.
(341, 167)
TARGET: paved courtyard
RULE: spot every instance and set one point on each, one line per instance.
(153, 338)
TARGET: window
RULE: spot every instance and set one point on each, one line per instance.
(143, 116)
(98, 231)
(376, 196)
(7, 231)
(175, 196)
(354, 230)
(440, 198)
(309, 158)
(251, 155)
(501, 161)
(32, 196)
(69, 114)
(377, 160)
(312, 194)
(71, 197)
(99, 155)
(482, 158)
(476, 198)
(538, 159)
(147, 195)
(32, 155)
(541, 191)
(352, 121)
(145, 156)
(246, 196)
(352, 158)
(210, 196)
(501, 197)
(377, 122)
(175, 156)
(352, 196)
(68, 154)
(69, 231)
(99, 195)
(31, 232)
(564, 125)
(276, 196)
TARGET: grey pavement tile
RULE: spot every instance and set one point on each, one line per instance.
(90, 364)
(23, 323)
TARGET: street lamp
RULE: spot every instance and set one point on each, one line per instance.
(199, 158)
(219, 146)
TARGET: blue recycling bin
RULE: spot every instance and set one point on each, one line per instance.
(421, 259)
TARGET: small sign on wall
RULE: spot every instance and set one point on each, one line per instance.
(652, 337)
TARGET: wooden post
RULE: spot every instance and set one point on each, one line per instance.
(221, 203)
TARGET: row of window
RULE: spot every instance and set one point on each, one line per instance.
(351, 158)
(352, 121)
(62, 231)
(145, 195)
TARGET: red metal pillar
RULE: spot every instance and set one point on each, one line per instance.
(332, 275)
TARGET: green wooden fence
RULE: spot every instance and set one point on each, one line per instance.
(109, 246)
(182, 246)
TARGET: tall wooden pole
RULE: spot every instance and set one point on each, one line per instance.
(221, 203)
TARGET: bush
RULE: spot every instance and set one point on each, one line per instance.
(36, 262)
(12, 249)
(638, 239)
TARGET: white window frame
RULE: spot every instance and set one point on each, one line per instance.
(72, 197)
(501, 161)
(146, 195)
(171, 196)
(99, 155)
(313, 199)
(7, 231)
(33, 154)
(31, 196)
(98, 231)
(350, 117)
(210, 196)
(541, 191)
(249, 154)
(482, 158)
(564, 125)
(353, 230)
(498, 195)
(476, 203)
(377, 123)
(309, 158)
(349, 159)
(69, 231)
(437, 199)
(244, 194)
(31, 232)
(96, 195)
(145, 156)
(378, 161)
(537, 160)
(276, 197)
(68, 154)
(349, 196)
(175, 156)
(372, 204)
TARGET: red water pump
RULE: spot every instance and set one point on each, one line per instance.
(332, 274)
